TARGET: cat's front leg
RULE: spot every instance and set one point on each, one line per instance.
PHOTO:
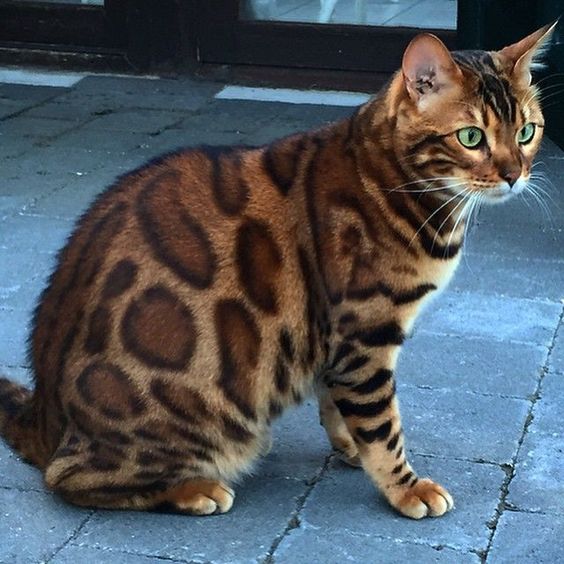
(336, 428)
(363, 390)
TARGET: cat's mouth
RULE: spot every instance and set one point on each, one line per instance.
(500, 192)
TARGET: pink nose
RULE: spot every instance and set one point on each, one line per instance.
(510, 176)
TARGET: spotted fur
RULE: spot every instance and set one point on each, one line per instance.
(208, 290)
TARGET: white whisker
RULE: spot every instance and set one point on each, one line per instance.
(431, 216)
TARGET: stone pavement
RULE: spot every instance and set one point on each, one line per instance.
(481, 382)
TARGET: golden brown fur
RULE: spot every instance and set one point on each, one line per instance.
(207, 291)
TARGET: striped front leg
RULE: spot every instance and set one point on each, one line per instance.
(362, 387)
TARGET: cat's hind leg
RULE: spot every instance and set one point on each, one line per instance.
(91, 473)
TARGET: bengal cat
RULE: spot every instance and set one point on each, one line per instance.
(207, 291)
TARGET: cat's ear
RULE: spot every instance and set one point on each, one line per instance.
(521, 55)
(428, 67)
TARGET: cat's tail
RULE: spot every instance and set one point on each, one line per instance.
(17, 422)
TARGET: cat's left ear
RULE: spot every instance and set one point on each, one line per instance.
(521, 55)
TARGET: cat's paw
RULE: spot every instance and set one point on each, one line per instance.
(424, 499)
(202, 497)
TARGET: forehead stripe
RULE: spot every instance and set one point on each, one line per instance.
(494, 90)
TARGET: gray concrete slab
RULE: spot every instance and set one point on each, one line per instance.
(345, 501)
(16, 474)
(133, 121)
(528, 243)
(9, 107)
(461, 424)
(32, 128)
(346, 546)
(15, 326)
(34, 525)
(482, 315)
(261, 512)
(538, 484)
(556, 360)
(31, 95)
(71, 554)
(479, 364)
(34, 234)
(510, 276)
(300, 445)
(528, 538)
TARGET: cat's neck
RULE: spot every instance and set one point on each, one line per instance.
(428, 203)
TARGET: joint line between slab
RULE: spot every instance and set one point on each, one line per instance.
(510, 469)
(294, 521)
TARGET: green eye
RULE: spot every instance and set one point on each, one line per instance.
(470, 137)
(526, 133)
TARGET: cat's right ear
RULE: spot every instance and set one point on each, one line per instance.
(428, 67)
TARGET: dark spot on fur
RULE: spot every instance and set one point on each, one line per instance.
(159, 329)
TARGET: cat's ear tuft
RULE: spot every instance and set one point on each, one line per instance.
(521, 56)
(428, 67)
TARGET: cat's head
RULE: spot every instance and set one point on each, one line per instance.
(472, 118)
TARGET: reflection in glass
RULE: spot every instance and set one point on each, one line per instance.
(439, 14)
(91, 2)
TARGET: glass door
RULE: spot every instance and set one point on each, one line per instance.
(340, 35)
(438, 14)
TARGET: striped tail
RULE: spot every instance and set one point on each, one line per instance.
(17, 423)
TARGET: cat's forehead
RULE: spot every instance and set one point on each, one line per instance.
(493, 87)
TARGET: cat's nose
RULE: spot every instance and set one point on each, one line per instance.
(511, 175)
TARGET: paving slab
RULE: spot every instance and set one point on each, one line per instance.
(99, 140)
(346, 546)
(261, 511)
(174, 139)
(510, 276)
(16, 474)
(32, 127)
(538, 240)
(33, 234)
(27, 93)
(54, 109)
(300, 445)
(452, 423)
(477, 364)
(528, 538)
(482, 315)
(34, 525)
(73, 199)
(15, 326)
(346, 502)
(556, 359)
(133, 121)
(116, 92)
(71, 554)
(12, 147)
(538, 484)
(9, 107)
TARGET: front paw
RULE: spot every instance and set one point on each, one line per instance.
(424, 499)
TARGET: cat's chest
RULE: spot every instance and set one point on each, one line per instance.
(437, 273)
